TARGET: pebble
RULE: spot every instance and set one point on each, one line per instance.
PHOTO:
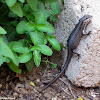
(16, 88)
(27, 85)
(23, 91)
(55, 98)
(20, 85)
(15, 94)
(20, 96)
(38, 80)
(31, 87)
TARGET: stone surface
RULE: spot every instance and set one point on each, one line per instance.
(84, 71)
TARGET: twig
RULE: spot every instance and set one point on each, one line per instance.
(65, 90)
(68, 87)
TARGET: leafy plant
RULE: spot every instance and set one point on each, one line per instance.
(26, 30)
(48, 62)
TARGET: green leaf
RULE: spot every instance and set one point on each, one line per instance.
(22, 1)
(27, 8)
(11, 33)
(37, 37)
(44, 49)
(45, 41)
(55, 6)
(15, 60)
(14, 68)
(12, 14)
(55, 44)
(53, 65)
(29, 17)
(25, 57)
(10, 3)
(6, 59)
(21, 27)
(53, 18)
(41, 4)
(16, 8)
(18, 47)
(5, 39)
(6, 51)
(47, 27)
(29, 27)
(41, 16)
(24, 26)
(2, 31)
(37, 57)
(29, 65)
(4, 19)
(62, 46)
(32, 4)
(14, 23)
(1, 39)
(1, 59)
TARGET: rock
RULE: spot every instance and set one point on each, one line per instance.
(84, 71)
(15, 94)
(23, 91)
(20, 97)
(16, 89)
(20, 85)
(31, 88)
(38, 82)
(55, 98)
(27, 85)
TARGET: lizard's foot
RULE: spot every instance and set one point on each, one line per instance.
(78, 55)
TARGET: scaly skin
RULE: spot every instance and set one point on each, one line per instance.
(72, 43)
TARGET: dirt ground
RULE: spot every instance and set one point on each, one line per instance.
(17, 86)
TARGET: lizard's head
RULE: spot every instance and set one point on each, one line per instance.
(86, 18)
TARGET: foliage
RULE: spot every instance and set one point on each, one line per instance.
(26, 31)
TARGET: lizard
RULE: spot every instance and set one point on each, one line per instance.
(72, 43)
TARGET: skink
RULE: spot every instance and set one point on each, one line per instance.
(72, 43)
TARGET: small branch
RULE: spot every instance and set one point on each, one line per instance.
(69, 87)
(65, 90)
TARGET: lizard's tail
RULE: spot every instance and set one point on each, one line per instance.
(62, 71)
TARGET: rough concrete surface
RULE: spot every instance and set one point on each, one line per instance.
(84, 71)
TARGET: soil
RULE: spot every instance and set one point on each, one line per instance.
(17, 86)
